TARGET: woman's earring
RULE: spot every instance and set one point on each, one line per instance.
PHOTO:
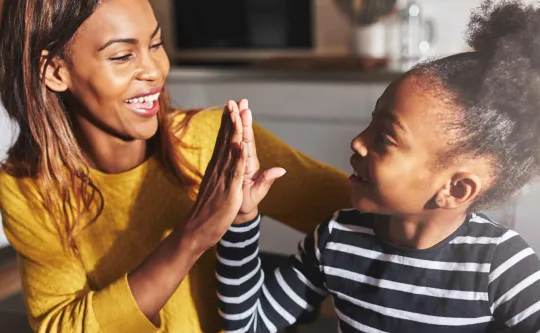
(439, 201)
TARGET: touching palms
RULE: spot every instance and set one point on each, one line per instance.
(256, 184)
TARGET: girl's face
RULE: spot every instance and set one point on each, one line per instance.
(395, 157)
(115, 70)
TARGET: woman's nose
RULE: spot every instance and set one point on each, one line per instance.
(149, 69)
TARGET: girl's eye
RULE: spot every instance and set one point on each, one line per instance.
(123, 58)
(384, 140)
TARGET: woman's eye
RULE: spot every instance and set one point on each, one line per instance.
(156, 46)
(122, 58)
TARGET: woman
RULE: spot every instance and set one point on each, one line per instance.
(98, 189)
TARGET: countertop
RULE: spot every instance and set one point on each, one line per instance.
(202, 74)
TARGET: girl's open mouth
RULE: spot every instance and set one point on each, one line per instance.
(357, 179)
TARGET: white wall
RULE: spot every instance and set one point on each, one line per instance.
(6, 136)
(527, 221)
(450, 19)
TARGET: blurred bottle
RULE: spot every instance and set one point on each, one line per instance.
(409, 35)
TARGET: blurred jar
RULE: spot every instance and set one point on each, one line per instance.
(369, 41)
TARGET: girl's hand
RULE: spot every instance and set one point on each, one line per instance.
(220, 192)
(256, 184)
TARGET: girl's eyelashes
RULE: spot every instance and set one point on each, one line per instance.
(384, 139)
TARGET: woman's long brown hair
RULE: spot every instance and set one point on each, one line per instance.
(46, 149)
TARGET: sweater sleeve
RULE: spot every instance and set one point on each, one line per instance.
(251, 302)
(55, 286)
(514, 285)
(309, 192)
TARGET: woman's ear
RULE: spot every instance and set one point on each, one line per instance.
(55, 74)
(462, 189)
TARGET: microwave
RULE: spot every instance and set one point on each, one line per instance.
(239, 31)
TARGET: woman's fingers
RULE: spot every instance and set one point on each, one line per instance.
(237, 122)
(221, 155)
(220, 192)
(230, 154)
(226, 127)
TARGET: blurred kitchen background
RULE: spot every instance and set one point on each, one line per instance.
(312, 70)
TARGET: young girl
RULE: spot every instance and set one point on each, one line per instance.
(449, 138)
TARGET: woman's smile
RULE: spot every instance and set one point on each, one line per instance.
(145, 104)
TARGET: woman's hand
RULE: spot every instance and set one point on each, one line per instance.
(255, 184)
(220, 192)
(217, 205)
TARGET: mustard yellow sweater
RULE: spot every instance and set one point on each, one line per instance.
(67, 294)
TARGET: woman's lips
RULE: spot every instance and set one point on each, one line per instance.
(149, 92)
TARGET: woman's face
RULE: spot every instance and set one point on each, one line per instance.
(116, 69)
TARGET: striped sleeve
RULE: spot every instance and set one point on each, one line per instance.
(514, 285)
(251, 302)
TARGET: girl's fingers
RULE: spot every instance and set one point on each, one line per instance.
(237, 168)
(265, 181)
(248, 137)
(243, 104)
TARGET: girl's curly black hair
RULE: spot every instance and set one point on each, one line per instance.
(496, 89)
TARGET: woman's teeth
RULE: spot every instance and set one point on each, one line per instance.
(149, 98)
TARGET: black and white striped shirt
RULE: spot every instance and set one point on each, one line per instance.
(483, 278)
